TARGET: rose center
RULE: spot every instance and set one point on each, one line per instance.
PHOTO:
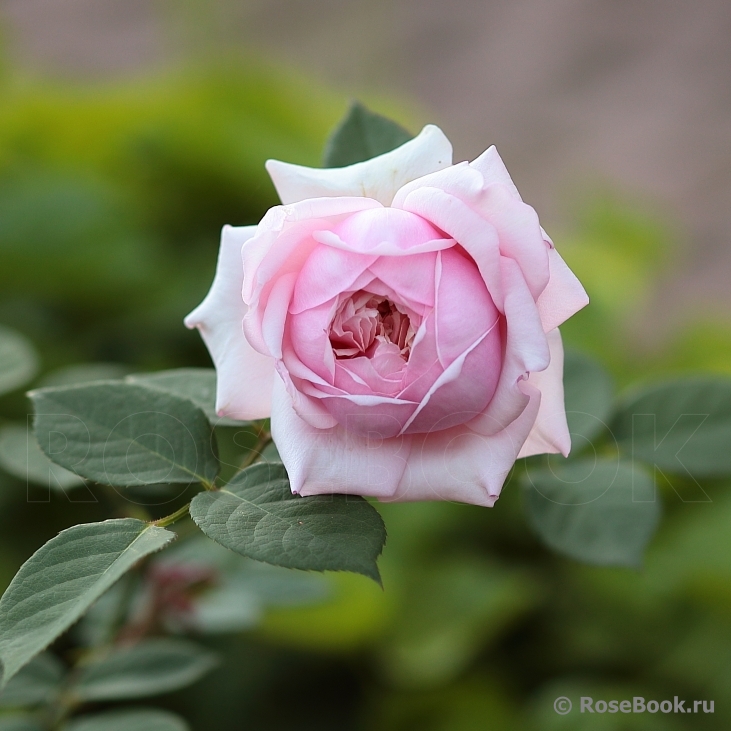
(368, 324)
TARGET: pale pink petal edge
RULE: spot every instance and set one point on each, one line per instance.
(244, 376)
(378, 178)
(550, 433)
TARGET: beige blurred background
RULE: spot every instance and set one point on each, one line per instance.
(629, 95)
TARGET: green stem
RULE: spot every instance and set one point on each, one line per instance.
(170, 519)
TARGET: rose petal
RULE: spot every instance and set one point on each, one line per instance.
(563, 297)
(327, 273)
(308, 333)
(244, 376)
(378, 178)
(359, 376)
(526, 351)
(458, 464)
(326, 461)
(310, 409)
(275, 314)
(459, 180)
(424, 366)
(493, 170)
(519, 232)
(283, 230)
(281, 245)
(498, 204)
(462, 389)
(367, 230)
(463, 306)
(412, 283)
(468, 346)
(473, 233)
(550, 433)
(385, 248)
(368, 413)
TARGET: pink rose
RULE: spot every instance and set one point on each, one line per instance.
(398, 323)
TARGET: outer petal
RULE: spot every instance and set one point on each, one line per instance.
(495, 202)
(550, 433)
(245, 377)
(520, 234)
(460, 180)
(452, 464)
(326, 461)
(377, 178)
(493, 170)
(563, 297)
(526, 351)
(458, 464)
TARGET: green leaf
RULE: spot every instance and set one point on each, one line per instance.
(72, 375)
(585, 509)
(61, 580)
(125, 434)
(20, 723)
(148, 668)
(21, 457)
(589, 395)
(257, 516)
(361, 135)
(196, 384)
(680, 426)
(35, 684)
(132, 719)
(18, 360)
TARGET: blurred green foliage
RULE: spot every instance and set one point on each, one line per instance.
(111, 199)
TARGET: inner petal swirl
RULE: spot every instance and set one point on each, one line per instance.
(366, 324)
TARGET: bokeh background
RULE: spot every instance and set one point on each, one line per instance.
(132, 130)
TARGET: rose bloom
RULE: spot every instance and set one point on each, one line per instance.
(398, 321)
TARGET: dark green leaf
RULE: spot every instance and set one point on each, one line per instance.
(257, 516)
(585, 509)
(679, 426)
(196, 384)
(83, 373)
(21, 457)
(35, 684)
(61, 580)
(361, 135)
(20, 723)
(18, 360)
(588, 394)
(151, 667)
(132, 719)
(125, 434)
